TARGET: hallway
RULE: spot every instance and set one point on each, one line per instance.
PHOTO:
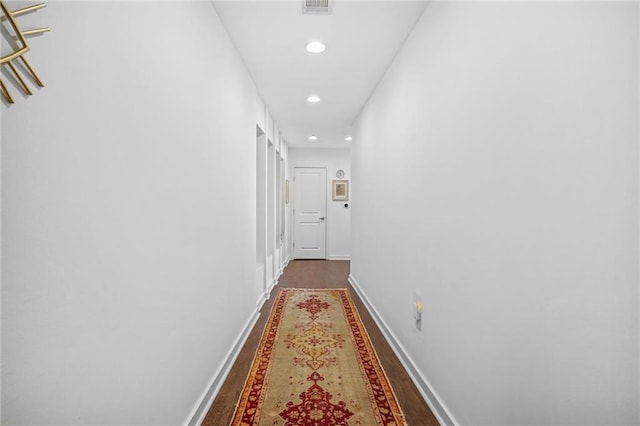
(320, 274)
(480, 159)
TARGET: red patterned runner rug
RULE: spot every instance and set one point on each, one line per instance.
(315, 365)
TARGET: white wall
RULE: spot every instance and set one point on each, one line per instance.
(338, 216)
(503, 148)
(128, 192)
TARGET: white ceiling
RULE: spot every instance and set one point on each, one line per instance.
(362, 38)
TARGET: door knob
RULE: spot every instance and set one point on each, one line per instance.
(322, 218)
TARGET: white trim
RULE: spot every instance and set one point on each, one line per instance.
(281, 270)
(269, 273)
(263, 298)
(438, 408)
(201, 408)
(339, 257)
(260, 277)
(272, 284)
(284, 265)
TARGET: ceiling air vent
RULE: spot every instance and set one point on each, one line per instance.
(322, 7)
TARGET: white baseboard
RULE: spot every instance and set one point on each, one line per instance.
(269, 272)
(438, 408)
(200, 410)
(260, 284)
(279, 273)
(263, 298)
(284, 265)
(339, 257)
(272, 284)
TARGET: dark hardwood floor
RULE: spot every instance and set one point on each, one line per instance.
(320, 274)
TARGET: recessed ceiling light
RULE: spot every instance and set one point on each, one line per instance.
(348, 139)
(313, 99)
(316, 47)
(313, 138)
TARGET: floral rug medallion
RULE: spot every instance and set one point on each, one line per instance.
(315, 366)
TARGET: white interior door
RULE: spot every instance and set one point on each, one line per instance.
(310, 212)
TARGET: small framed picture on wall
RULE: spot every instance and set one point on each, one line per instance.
(340, 190)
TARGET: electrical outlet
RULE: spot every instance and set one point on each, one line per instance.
(417, 307)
